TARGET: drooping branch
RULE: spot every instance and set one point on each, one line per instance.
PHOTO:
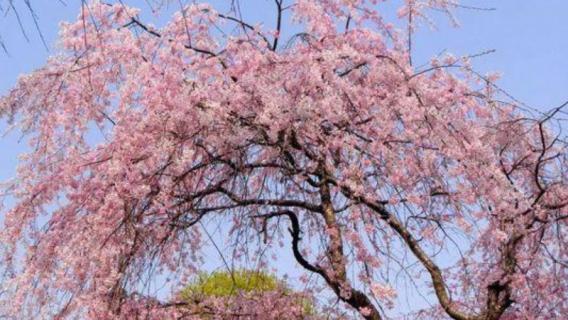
(498, 292)
(270, 202)
(245, 26)
(279, 9)
(138, 23)
(434, 271)
(338, 283)
(338, 278)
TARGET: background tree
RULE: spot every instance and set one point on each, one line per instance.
(373, 166)
(245, 291)
(242, 294)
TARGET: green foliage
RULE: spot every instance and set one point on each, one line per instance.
(226, 284)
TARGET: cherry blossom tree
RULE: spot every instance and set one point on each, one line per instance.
(328, 142)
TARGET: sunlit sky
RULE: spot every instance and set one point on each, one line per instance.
(529, 38)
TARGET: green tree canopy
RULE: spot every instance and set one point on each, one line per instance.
(226, 284)
(250, 285)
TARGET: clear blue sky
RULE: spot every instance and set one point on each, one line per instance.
(529, 36)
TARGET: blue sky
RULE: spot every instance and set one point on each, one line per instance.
(529, 37)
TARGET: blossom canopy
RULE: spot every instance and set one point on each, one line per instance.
(331, 144)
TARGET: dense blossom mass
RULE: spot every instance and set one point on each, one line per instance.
(379, 177)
